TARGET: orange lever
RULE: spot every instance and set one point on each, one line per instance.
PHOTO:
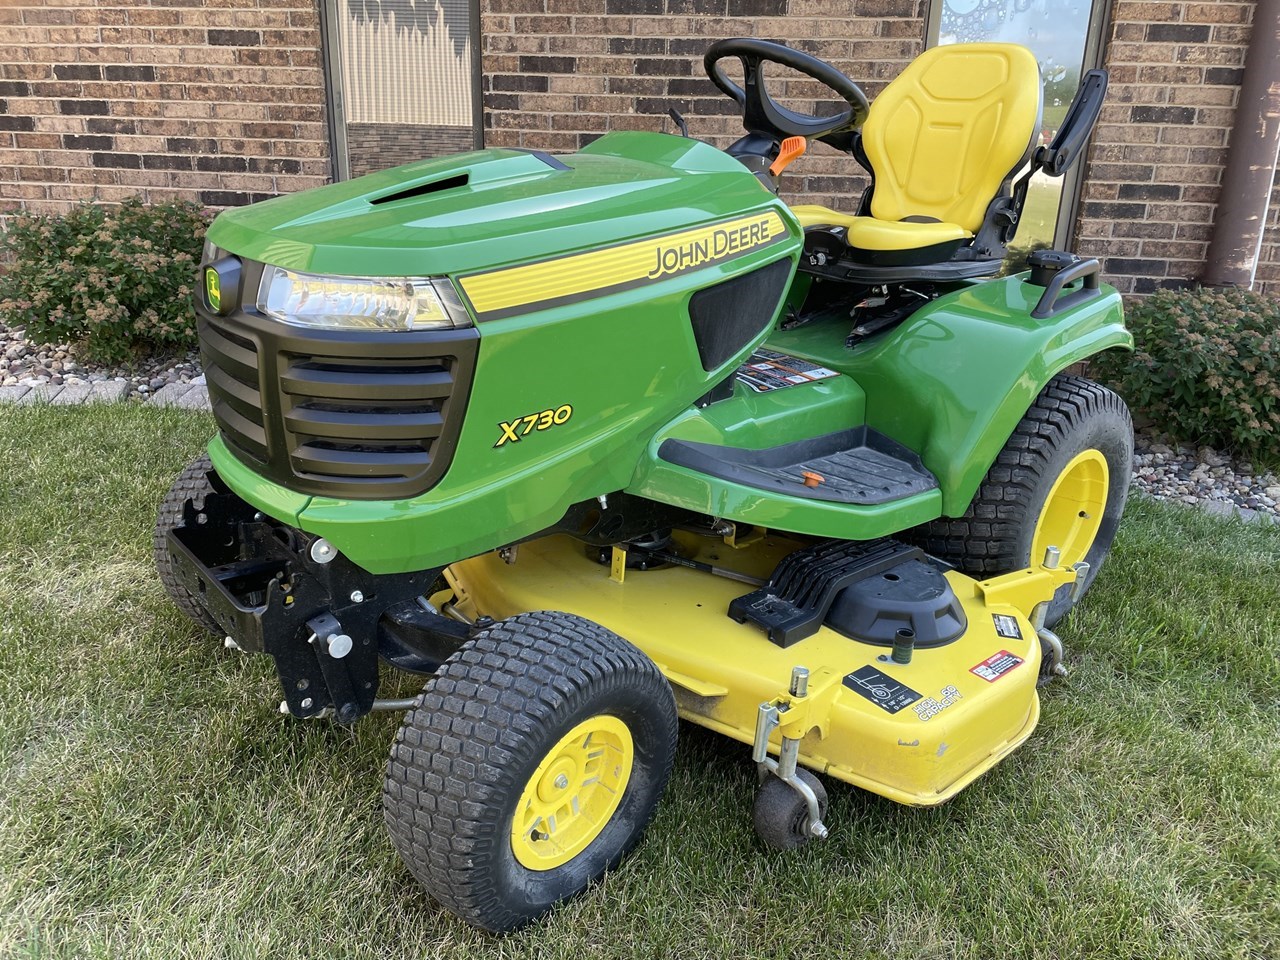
(791, 149)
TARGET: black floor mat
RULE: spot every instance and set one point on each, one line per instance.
(858, 466)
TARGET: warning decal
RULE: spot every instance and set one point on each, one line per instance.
(996, 666)
(767, 370)
(1007, 627)
(885, 692)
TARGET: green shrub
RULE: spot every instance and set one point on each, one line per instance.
(118, 280)
(1206, 368)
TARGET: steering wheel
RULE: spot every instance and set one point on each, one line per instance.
(762, 115)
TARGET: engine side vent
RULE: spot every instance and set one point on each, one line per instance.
(729, 315)
(423, 189)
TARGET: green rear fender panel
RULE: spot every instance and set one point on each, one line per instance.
(955, 378)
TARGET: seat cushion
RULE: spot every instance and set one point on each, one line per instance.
(868, 233)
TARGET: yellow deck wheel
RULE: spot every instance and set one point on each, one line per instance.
(573, 793)
(1072, 512)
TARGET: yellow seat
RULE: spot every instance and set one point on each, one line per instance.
(943, 140)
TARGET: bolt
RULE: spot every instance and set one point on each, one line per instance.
(259, 517)
(819, 830)
(322, 551)
(306, 703)
(562, 781)
(800, 682)
(357, 596)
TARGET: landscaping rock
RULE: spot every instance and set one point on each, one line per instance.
(24, 363)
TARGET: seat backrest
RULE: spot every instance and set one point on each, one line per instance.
(950, 130)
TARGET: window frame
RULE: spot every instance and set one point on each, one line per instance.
(335, 108)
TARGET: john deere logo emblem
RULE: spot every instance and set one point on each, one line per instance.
(710, 247)
(213, 288)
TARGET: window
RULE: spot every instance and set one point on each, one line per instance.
(403, 79)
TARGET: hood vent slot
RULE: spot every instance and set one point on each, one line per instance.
(424, 189)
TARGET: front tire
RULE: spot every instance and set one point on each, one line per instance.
(192, 485)
(1062, 480)
(530, 765)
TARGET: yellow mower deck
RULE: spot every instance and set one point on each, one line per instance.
(915, 733)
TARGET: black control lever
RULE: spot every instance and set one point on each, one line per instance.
(676, 116)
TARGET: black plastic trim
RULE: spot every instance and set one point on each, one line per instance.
(912, 257)
(348, 414)
(859, 466)
(548, 159)
(1054, 301)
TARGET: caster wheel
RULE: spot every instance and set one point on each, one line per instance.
(781, 816)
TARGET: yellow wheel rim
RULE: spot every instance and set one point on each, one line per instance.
(573, 793)
(1073, 511)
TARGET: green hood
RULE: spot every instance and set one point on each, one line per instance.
(487, 208)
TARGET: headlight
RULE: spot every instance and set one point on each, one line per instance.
(356, 303)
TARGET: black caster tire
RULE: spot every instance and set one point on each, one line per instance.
(191, 485)
(530, 765)
(781, 816)
(1073, 447)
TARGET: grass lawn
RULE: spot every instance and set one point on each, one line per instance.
(154, 804)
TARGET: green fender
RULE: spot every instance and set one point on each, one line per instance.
(955, 378)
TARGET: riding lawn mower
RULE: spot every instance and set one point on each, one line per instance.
(601, 440)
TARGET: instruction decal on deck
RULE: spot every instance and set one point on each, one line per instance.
(885, 692)
(996, 666)
(1007, 626)
(767, 370)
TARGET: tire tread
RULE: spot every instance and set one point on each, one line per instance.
(477, 720)
(983, 539)
(192, 484)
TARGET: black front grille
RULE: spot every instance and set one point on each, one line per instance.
(369, 416)
(364, 423)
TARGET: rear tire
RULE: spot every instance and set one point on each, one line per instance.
(1071, 422)
(192, 485)
(496, 741)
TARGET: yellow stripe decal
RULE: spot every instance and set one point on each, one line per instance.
(624, 265)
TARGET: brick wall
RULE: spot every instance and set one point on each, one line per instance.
(558, 73)
(376, 146)
(217, 101)
(1156, 163)
(221, 101)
